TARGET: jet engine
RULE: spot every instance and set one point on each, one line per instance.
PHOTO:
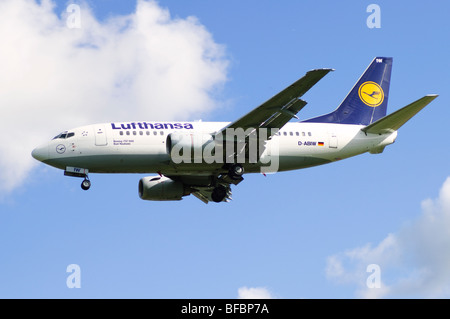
(161, 188)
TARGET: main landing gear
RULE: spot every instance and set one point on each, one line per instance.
(236, 171)
(221, 192)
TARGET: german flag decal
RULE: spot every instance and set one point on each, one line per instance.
(320, 143)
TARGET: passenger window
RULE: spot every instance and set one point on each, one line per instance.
(121, 133)
(297, 134)
(309, 133)
(303, 133)
(148, 133)
(128, 132)
(162, 133)
(155, 133)
(285, 133)
(141, 133)
(291, 134)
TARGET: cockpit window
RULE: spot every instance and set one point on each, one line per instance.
(64, 135)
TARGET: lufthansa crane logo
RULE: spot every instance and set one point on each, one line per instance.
(371, 94)
(60, 149)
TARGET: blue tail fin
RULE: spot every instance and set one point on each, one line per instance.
(367, 101)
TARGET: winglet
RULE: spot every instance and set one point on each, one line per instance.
(394, 121)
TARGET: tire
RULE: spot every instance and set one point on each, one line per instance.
(236, 171)
(218, 194)
(85, 185)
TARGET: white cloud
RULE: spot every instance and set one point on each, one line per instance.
(254, 293)
(143, 65)
(414, 261)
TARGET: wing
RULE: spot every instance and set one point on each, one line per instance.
(264, 121)
(281, 108)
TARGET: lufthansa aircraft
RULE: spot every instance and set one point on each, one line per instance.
(205, 158)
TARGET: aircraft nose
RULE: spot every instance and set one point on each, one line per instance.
(40, 153)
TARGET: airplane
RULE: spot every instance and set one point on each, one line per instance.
(205, 158)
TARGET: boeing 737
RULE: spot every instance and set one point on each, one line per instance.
(205, 158)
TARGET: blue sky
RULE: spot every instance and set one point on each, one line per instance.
(303, 234)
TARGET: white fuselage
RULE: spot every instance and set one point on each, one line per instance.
(140, 147)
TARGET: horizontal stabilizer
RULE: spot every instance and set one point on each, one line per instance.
(394, 121)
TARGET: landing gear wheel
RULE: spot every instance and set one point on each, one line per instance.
(219, 193)
(86, 184)
(236, 171)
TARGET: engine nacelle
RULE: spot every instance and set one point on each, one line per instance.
(189, 147)
(161, 188)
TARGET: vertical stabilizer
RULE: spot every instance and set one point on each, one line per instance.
(367, 101)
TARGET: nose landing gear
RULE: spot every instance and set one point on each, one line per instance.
(79, 172)
(86, 184)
